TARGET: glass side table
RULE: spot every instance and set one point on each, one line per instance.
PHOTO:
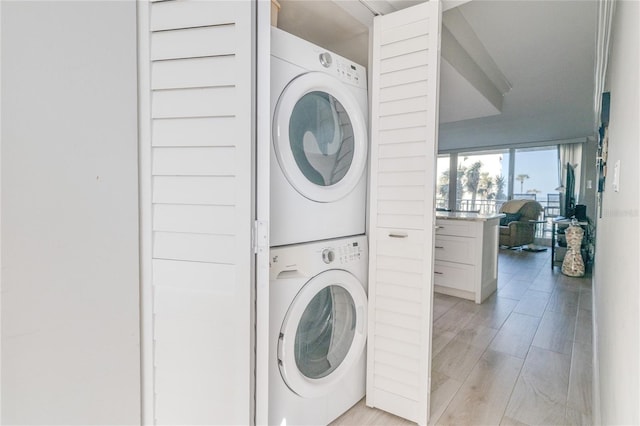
(533, 247)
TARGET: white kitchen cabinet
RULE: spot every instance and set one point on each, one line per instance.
(466, 255)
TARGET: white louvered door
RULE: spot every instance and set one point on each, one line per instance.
(405, 63)
(197, 115)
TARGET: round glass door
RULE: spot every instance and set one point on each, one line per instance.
(323, 333)
(320, 137)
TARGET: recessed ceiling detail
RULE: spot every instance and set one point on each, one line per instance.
(459, 99)
(454, 21)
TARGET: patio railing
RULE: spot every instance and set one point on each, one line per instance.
(493, 206)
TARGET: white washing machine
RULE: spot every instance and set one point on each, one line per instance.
(319, 149)
(317, 330)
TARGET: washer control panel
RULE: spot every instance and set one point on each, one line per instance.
(344, 253)
(328, 255)
(298, 261)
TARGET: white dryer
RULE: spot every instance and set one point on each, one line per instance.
(317, 330)
(319, 149)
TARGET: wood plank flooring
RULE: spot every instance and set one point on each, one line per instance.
(523, 357)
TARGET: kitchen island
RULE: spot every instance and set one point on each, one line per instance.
(466, 254)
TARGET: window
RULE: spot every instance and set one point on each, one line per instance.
(442, 181)
(536, 173)
(482, 182)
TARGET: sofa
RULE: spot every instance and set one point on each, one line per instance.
(516, 229)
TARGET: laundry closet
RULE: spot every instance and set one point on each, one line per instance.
(229, 215)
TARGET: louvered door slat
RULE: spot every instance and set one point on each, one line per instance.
(198, 131)
(194, 190)
(194, 219)
(405, 91)
(193, 42)
(192, 277)
(177, 103)
(168, 15)
(214, 71)
(203, 161)
(410, 60)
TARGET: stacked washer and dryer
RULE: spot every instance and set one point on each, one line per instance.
(318, 274)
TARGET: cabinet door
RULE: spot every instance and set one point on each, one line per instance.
(404, 92)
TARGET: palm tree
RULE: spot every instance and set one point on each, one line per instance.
(500, 183)
(443, 185)
(521, 179)
(535, 192)
(485, 187)
(472, 180)
(459, 184)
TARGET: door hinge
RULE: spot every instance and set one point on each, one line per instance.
(260, 236)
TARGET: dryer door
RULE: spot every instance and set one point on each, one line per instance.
(323, 334)
(320, 137)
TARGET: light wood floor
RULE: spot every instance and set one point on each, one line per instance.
(523, 357)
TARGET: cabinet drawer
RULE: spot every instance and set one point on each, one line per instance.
(454, 249)
(453, 275)
(461, 228)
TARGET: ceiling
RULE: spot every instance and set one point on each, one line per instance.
(513, 71)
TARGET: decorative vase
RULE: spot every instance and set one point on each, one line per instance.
(573, 265)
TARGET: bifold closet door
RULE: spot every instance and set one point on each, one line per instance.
(405, 63)
(197, 90)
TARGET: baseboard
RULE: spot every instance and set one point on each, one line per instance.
(596, 413)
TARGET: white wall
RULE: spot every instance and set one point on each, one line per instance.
(70, 320)
(589, 173)
(616, 288)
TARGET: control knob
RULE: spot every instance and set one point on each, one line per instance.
(328, 256)
(325, 59)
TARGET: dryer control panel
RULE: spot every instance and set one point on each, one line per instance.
(312, 57)
(349, 72)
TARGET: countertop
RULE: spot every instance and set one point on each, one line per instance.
(477, 217)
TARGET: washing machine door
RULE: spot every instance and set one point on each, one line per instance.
(323, 334)
(320, 137)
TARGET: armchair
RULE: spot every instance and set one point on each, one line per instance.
(517, 230)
